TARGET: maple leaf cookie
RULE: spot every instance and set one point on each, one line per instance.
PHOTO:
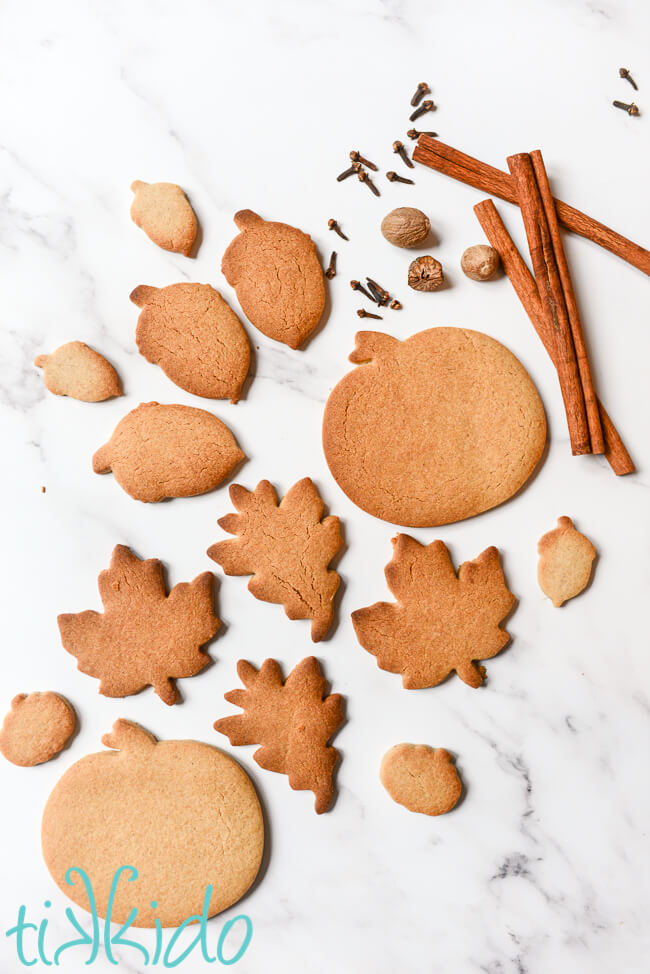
(441, 622)
(275, 270)
(286, 547)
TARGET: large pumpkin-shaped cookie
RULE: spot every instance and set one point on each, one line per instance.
(278, 278)
(433, 429)
(183, 814)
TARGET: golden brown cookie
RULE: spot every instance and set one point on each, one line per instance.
(441, 621)
(565, 562)
(195, 337)
(421, 778)
(286, 547)
(433, 429)
(163, 211)
(144, 637)
(80, 372)
(278, 278)
(183, 814)
(168, 451)
(292, 720)
(37, 727)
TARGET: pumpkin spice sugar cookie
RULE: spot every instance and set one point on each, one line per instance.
(159, 451)
(195, 337)
(163, 211)
(565, 562)
(433, 429)
(278, 278)
(78, 371)
(37, 727)
(177, 817)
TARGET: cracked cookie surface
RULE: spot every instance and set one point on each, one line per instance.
(433, 429)
(278, 278)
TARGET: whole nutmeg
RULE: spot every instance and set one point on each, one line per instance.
(425, 274)
(480, 262)
(405, 227)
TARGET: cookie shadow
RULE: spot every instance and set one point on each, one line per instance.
(252, 370)
(198, 240)
(464, 787)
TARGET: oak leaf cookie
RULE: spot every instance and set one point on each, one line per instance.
(421, 778)
(565, 562)
(37, 727)
(292, 720)
(163, 211)
(144, 637)
(80, 372)
(278, 278)
(433, 429)
(441, 622)
(169, 818)
(286, 547)
(168, 451)
(195, 337)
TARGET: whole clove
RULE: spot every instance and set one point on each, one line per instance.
(419, 93)
(395, 305)
(333, 225)
(624, 73)
(355, 167)
(383, 293)
(396, 178)
(358, 286)
(414, 134)
(426, 106)
(631, 109)
(398, 147)
(368, 314)
(365, 178)
(357, 157)
(331, 269)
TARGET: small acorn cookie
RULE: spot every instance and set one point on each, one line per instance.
(80, 372)
(159, 451)
(278, 278)
(163, 211)
(195, 337)
(565, 562)
(423, 779)
(37, 727)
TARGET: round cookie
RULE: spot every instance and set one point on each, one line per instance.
(182, 813)
(421, 778)
(195, 337)
(433, 429)
(37, 727)
(278, 278)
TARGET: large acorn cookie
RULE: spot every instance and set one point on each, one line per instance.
(433, 429)
(278, 278)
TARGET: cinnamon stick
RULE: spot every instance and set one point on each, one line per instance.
(584, 369)
(525, 287)
(552, 298)
(443, 158)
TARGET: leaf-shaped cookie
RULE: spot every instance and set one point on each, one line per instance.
(194, 336)
(144, 637)
(78, 371)
(286, 547)
(278, 278)
(163, 211)
(565, 560)
(441, 622)
(293, 721)
(168, 451)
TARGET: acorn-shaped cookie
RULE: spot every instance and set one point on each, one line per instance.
(195, 337)
(78, 371)
(168, 451)
(163, 211)
(278, 278)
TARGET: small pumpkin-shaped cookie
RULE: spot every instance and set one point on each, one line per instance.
(278, 278)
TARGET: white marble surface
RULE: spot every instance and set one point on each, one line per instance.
(544, 865)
